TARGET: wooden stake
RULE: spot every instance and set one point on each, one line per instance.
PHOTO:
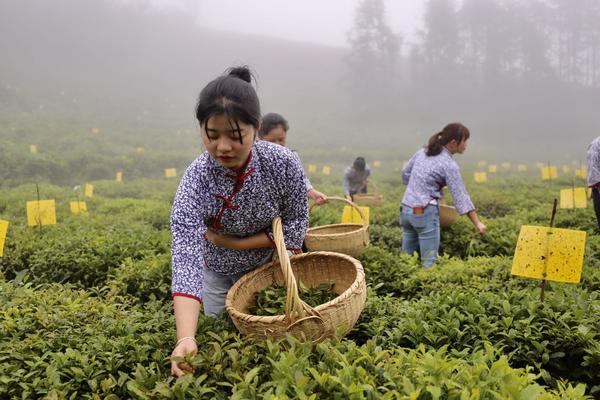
(543, 284)
(39, 217)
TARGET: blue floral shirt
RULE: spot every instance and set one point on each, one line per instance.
(242, 204)
(593, 159)
(427, 175)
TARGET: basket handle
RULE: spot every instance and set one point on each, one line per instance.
(295, 308)
(357, 208)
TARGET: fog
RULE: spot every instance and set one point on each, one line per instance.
(370, 76)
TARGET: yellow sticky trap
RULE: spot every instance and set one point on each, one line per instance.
(78, 207)
(579, 172)
(492, 168)
(482, 163)
(580, 197)
(566, 169)
(326, 170)
(566, 198)
(41, 212)
(95, 131)
(312, 168)
(480, 177)
(539, 164)
(88, 191)
(549, 253)
(506, 165)
(549, 172)
(33, 149)
(573, 198)
(170, 173)
(521, 167)
(3, 230)
(119, 176)
(376, 164)
(351, 216)
(140, 150)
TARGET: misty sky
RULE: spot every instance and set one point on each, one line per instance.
(318, 21)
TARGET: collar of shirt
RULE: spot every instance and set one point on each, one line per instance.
(445, 150)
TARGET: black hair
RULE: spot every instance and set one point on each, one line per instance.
(231, 95)
(271, 121)
(454, 131)
(359, 164)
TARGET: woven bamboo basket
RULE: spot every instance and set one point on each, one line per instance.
(368, 199)
(300, 320)
(350, 239)
(448, 215)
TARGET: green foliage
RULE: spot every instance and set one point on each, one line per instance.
(461, 239)
(464, 328)
(147, 278)
(557, 336)
(271, 300)
(79, 254)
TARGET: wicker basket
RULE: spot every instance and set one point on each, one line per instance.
(300, 320)
(368, 199)
(448, 215)
(350, 239)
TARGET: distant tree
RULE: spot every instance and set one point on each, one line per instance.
(531, 30)
(489, 44)
(374, 52)
(441, 48)
(577, 40)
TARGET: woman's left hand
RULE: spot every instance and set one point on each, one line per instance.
(222, 240)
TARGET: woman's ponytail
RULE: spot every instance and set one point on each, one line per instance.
(434, 146)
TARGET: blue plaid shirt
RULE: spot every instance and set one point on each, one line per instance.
(427, 175)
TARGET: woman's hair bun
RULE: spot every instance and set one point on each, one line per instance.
(242, 72)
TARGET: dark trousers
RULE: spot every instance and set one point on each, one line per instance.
(596, 198)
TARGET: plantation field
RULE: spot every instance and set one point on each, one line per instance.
(85, 310)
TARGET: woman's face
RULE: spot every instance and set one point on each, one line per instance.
(457, 147)
(276, 135)
(221, 139)
(462, 146)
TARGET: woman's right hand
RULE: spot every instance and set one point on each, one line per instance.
(186, 347)
(481, 228)
(348, 197)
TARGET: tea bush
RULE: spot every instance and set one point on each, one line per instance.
(87, 311)
(79, 254)
(147, 278)
(558, 336)
(57, 342)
